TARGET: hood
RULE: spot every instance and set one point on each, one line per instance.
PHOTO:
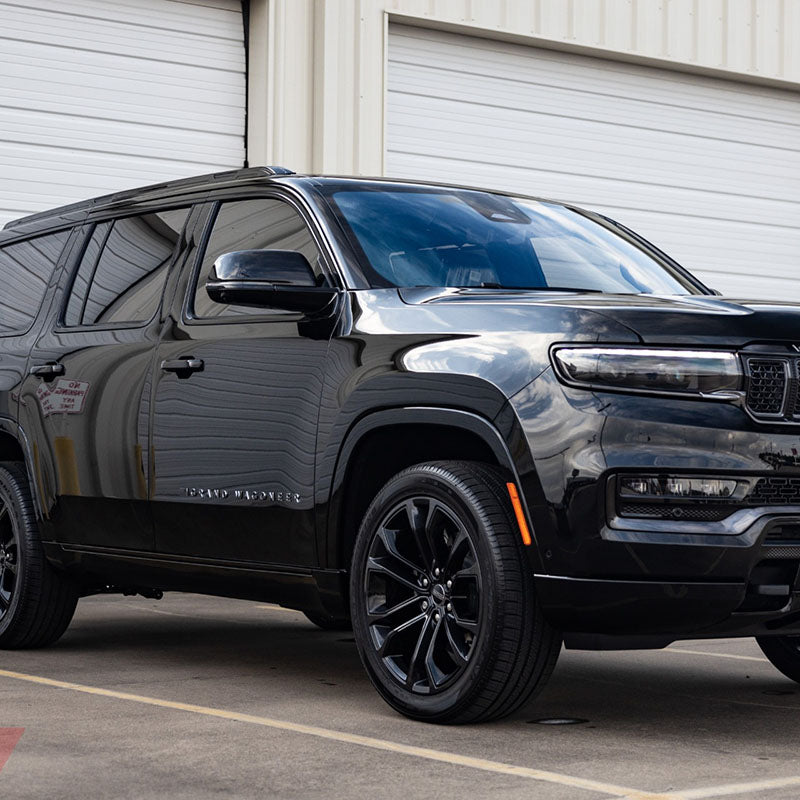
(706, 319)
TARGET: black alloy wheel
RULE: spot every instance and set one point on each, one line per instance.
(423, 587)
(9, 558)
(36, 602)
(783, 652)
(442, 597)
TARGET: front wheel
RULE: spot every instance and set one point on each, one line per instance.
(444, 610)
(783, 652)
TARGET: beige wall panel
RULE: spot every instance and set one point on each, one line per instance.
(710, 32)
(618, 24)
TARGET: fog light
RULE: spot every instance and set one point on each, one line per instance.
(675, 487)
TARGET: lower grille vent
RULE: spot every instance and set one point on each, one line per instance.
(686, 513)
(775, 491)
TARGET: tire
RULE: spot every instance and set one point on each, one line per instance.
(783, 652)
(327, 622)
(36, 602)
(439, 566)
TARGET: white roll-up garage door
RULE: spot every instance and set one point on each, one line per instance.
(707, 169)
(101, 95)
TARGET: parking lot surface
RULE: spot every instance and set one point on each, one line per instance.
(194, 697)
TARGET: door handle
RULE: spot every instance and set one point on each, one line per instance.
(47, 371)
(182, 367)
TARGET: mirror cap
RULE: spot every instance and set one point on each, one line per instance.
(281, 279)
(269, 266)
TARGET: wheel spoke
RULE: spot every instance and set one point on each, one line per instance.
(421, 647)
(455, 651)
(382, 616)
(417, 526)
(460, 545)
(435, 675)
(402, 628)
(466, 624)
(376, 565)
(388, 538)
(470, 571)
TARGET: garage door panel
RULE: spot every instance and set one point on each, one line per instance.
(581, 104)
(134, 107)
(595, 148)
(466, 57)
(116, 38)
(34, 128)
(546, 174)
(216, 20)
(41, 178)
(38, 64)
(99, 96)
(706, 169)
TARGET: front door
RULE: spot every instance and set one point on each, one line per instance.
(85, 404)
(235, 408)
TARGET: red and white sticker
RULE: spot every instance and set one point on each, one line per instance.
(62, 397)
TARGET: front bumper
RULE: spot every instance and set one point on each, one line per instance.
(613, 581)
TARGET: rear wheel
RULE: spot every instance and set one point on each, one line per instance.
(783, 652)
(36, 602)
(444, 611)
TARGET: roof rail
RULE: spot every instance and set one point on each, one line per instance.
(128, 194)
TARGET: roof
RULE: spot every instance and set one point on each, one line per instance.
(72, 213)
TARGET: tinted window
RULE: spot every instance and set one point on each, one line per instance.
(259, 224)
(123, 269)
(26, 268)
(451, 237)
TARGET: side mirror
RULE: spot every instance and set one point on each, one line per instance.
(268, 279)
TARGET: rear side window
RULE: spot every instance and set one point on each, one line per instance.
(123, 269)
(26, 268)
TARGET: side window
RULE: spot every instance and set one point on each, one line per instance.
(26, 268)
(123, 269)
(258, 224)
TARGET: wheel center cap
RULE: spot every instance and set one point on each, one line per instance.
(439, 593)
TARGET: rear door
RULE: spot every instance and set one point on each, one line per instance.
(234, 441)
(85, 404)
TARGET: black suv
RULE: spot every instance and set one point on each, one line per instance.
(469, 424)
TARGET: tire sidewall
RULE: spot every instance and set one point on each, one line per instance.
(9, 496)
(439, 484)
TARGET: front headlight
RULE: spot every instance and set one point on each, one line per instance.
(701, 373)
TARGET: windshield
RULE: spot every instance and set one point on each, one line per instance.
(451, 237)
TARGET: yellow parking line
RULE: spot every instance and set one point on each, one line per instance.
(355, 739)
(735, 788)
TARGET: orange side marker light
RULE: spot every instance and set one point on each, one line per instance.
(520, 514)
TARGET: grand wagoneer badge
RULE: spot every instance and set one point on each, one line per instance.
(248, 495)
